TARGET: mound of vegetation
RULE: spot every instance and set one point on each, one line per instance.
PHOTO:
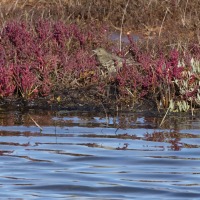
(46, 49)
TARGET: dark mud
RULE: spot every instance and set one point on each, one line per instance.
(73, 102)
(78, 100)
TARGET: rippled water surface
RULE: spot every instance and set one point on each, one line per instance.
(88, 156)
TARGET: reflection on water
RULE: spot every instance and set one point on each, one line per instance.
(115, 36)
(87, 156)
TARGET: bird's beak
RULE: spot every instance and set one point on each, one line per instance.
(95, 52)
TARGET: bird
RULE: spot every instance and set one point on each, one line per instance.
(110, 62)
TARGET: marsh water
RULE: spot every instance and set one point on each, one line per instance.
(84, 155)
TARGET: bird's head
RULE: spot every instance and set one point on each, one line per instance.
(100, 51)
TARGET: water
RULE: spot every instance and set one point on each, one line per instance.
(87, 156)
(115, 36)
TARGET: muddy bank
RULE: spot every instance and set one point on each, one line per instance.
(79, 100)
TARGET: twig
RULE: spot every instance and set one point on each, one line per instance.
(184, 15)
(163, 119)
(107, 118)
(130, 92)
(15, 5)
(163, 21)
(192, 109)
(121, 29)
(35, 123)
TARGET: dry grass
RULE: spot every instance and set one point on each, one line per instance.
(174, 22)
(141, 14)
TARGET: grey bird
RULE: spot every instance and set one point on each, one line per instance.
(109, 62)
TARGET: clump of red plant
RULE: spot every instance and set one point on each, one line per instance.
(37, 58)
(171, 81)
